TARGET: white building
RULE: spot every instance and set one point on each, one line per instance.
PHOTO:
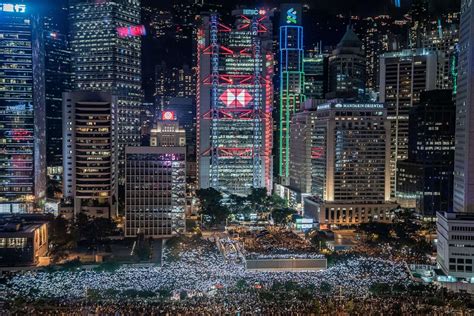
(456, 230)
(89, 153)
(350, 163)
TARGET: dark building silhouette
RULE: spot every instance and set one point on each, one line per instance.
(425, 179)
(347, 68)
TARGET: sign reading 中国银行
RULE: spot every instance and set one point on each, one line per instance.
(12, 8)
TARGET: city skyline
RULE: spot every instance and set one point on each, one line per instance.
(236, 157)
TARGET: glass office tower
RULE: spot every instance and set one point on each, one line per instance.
(107, 59)
(234, 131)
(22, 112)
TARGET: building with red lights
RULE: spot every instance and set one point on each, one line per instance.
(234, 100)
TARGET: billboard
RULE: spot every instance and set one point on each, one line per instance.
(291, 14)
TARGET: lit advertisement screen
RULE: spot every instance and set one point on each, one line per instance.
(131, 31)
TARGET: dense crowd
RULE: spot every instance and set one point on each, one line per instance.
(276, 241)
(199, 270)
(201, 281)
(248, 305)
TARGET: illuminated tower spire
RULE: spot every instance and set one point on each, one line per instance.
(291, 80)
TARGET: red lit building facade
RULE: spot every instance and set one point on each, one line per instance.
(234, 99)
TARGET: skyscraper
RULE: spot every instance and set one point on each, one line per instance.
(22, 109)
(106, 49)
(403, 76)
(443, 41)
(291, 80)
(425, 179)
(455, 247)
(155, 189)
(349, 150)
(58, 78)
(172, 83)
(315, 68)
(380, 35)
(419, 22)
(347, 68)
(234, 131)
(89, 153)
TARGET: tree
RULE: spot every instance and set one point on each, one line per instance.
(376, 231)
(58, 231)
(258, 199)
(276, 202)
(143, 248)
(211, 205)
(239, 205)
(281, 215)
(318, 242)
(94, 229)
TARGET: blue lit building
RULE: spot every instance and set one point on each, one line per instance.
(291, 81)
(22, 109)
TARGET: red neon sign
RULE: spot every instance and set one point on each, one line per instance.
(168, 116)
(131, 31)
(317, 152)
(20, 134)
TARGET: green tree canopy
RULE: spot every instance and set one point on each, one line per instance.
(281, 216)
(211, 205)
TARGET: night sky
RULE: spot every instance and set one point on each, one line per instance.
(360, 7)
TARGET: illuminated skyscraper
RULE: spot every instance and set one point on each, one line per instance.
(22, 109)
(419, 22)
(455, 247)
(234, 100)
(291, 81)
(443, 41)
(348, 147)
(105, 58)
(174, 82)
(380, 35)
(403, 76)
(315, 68)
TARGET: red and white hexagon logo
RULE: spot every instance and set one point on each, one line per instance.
(236, 98)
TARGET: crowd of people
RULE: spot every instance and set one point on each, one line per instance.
(244, 304)
(198, 270)
(201, 281)
(275, 241)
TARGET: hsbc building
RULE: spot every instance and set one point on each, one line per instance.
(234, 102)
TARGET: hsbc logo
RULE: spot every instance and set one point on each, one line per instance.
(236, 98)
